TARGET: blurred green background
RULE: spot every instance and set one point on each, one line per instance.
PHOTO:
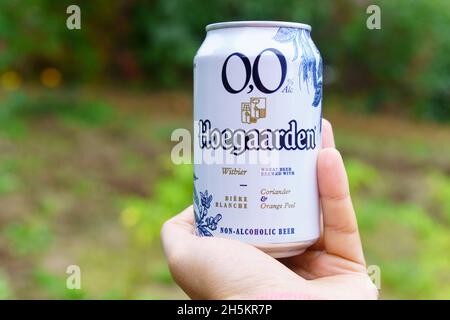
(86, 117)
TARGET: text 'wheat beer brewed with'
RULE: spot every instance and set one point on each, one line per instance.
(257, 134)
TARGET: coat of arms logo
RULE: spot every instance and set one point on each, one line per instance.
(253, 110)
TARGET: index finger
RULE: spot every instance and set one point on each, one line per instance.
(340, 235)
(327, 134)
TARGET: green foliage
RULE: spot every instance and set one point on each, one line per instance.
(11, 125)
(54, 286)
(360, 175)
(160, 274)
(20, 107)
(173, 30)
(113, 294)
(405, 64)
(409, 246)
(35, 36)
(144, 217)
(8, 181)
(5, 289)
(439, 192)
(28, 239)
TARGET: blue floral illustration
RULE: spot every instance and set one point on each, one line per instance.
(310, 70)
(205, 199)
(203, 223)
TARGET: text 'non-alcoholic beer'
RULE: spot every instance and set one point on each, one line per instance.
(257, 134)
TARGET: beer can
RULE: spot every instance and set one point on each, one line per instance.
(257, 134)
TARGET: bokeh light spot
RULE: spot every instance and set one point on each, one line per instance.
(51, 77)
(130, 217)
(11, 80)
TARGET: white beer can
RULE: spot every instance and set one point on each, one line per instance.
(257, 134)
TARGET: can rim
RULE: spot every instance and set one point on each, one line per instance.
(237, 24)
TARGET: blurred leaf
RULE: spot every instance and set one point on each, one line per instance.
(20, 106)
(161, 274)
(360, 174)
(439, 191)
(5, 289)
(8, 182)
(28, 239)
(144, 217)
(54, 286)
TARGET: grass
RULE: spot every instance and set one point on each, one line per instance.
(88, 181)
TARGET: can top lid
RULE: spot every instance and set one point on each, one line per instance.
(239, 24)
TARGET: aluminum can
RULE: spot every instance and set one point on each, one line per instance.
(257, 134)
